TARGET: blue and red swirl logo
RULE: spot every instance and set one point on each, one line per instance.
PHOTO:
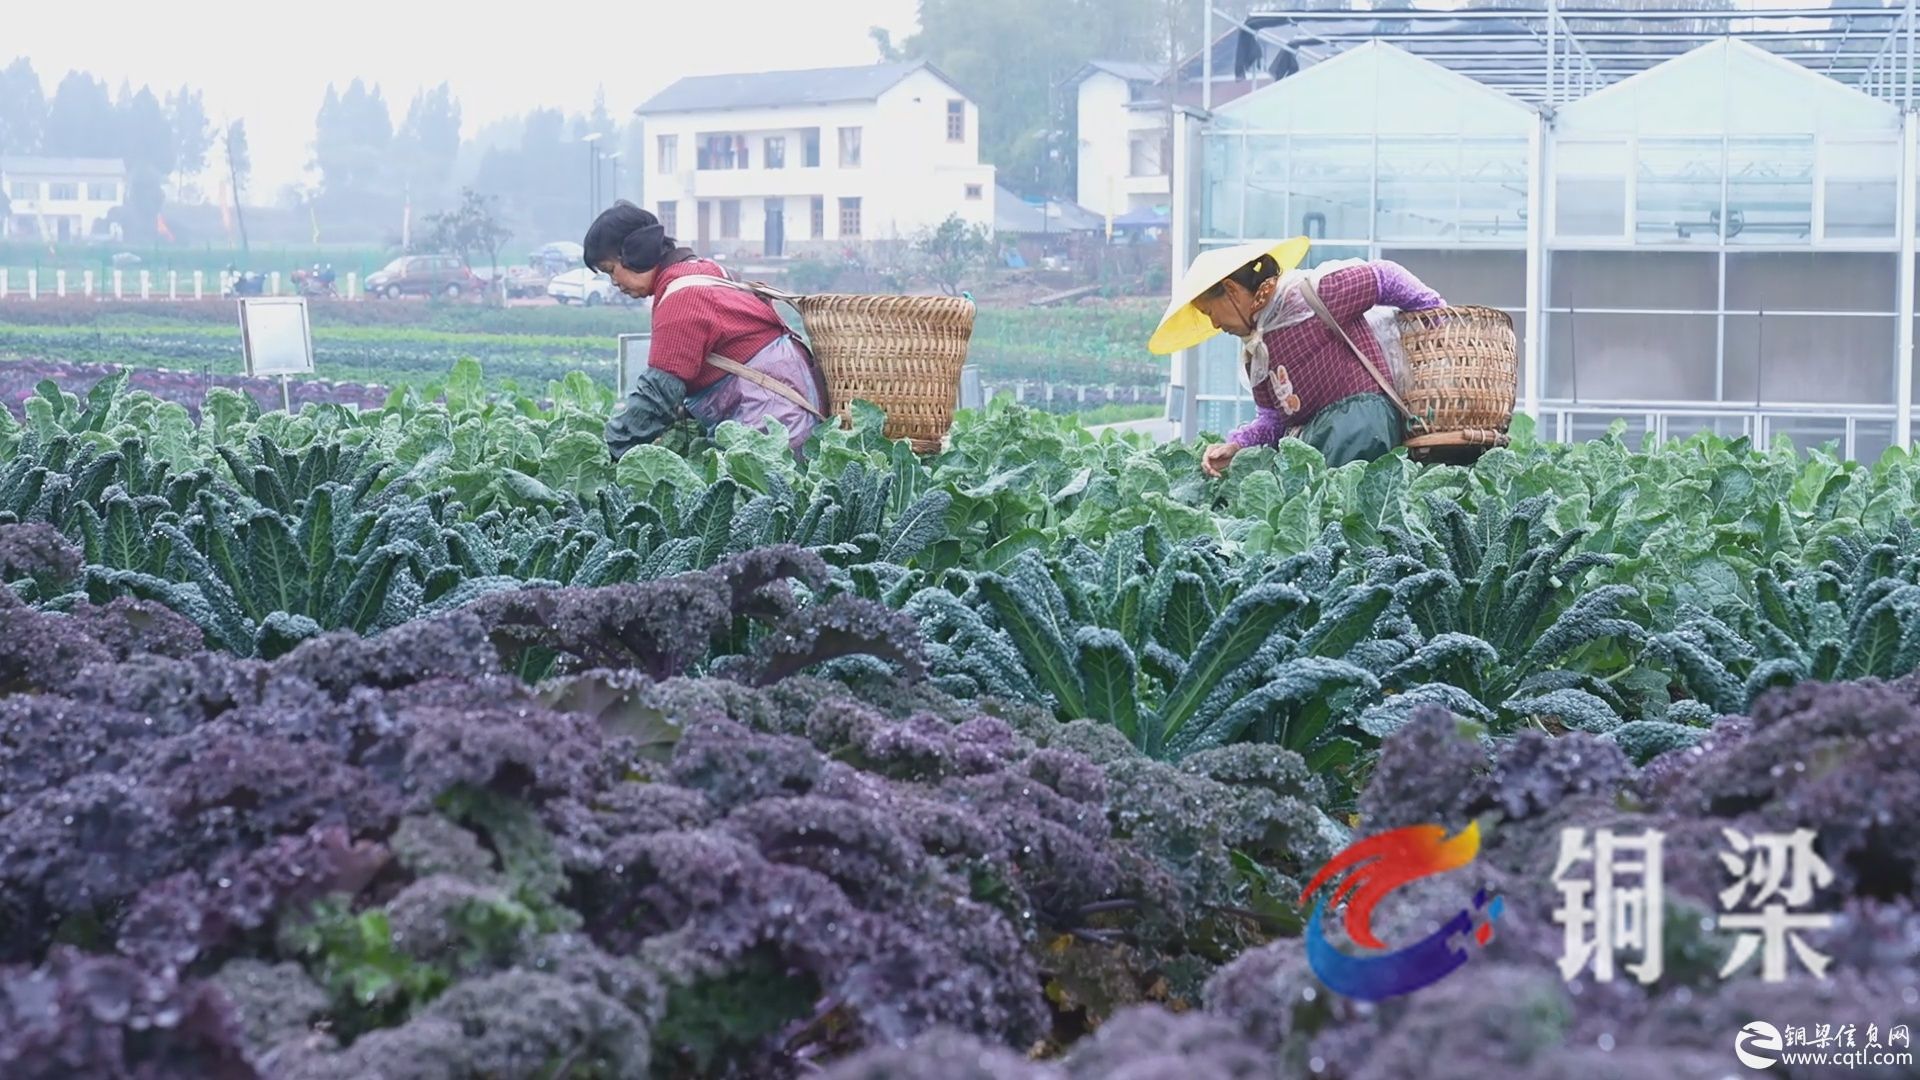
(1373, 869)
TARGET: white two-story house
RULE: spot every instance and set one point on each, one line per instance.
(61, 199)
(1125, 120)
(783, 162)
(1122, 120)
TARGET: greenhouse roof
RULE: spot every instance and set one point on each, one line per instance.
(1551, 55)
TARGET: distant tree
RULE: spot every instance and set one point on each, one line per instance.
(1013, 55)
(193, 134)
(23, 109)
(953, 251)
(239, 167)
(148, 148)
(81, 121)
(353, 152)
(469, 230)
(428, 142)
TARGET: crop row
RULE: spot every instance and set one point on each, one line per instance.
(401, 856)
(1077, 346)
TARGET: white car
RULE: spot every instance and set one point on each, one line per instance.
(586, 287)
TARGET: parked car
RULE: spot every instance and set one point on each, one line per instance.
(423, 275)
(585, 287)
(526, 281)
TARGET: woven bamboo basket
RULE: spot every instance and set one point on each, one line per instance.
(1462, 373)
(902, 353)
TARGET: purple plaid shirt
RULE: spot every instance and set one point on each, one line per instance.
(1312, 366)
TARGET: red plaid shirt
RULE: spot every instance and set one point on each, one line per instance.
(1312, 362)
(703, 320)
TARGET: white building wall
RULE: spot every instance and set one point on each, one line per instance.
(1108, 128)
(46, 213)
(1103, 140)
(909, 177)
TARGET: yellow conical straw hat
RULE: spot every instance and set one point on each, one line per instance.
(1184, 326)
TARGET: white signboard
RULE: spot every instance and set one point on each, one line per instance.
(275, 336)
(633, 360)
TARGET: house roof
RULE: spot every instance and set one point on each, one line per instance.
(1016, 216)
(1133, 71)
(52, 166)
(780, 89)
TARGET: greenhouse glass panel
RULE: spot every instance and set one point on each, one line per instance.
(1266, 182)
(1590, 188)
(1377, 87)
(1810, 359)
(1224, 155)
(1765, 94)
(1486, 278)
(1493, 191)
(1770, 190)
(1219, 363)
(1660, 280)
(1861, 189)
(1678, 196)
(1603, 356)
(1733, 87)
(1221, 417)
(1587, 426)
(1419, 189)
(1326, 253)
(1330, 188)
(1871, 439)
(1682, 427)
(1777, 281)
(1808, 433)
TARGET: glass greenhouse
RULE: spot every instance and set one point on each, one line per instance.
(1699, 223)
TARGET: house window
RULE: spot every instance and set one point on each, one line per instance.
(669, 216)
(819, 208)
(59, 192)
(850, 148)
(956, 120)
(810, 148)
(25, 189)
(776, 152)
(976, 192)
(730, 219)
(1143, 157)
(107, 192)
(669, 155)
(849, 218)
(722, 152)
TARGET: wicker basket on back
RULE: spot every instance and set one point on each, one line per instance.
(902, 353)
(1461, 376)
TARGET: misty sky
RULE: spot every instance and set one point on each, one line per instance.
(271, 64)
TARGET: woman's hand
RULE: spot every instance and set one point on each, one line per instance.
(1217, 458)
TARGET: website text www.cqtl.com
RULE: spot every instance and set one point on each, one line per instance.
(1849, 1059)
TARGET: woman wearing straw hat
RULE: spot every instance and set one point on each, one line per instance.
(719, 352)
(1307, 381)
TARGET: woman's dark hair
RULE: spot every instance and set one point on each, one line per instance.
(635, 237)
(1250, 277)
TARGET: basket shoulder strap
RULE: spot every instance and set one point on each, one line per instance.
(757, 288)
(1319, 306)
(765, 382)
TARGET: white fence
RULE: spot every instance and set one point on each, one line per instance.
(146, 285)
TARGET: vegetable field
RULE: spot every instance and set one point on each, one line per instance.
(414, 344)
(424, 740)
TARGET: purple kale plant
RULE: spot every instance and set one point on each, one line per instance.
(393, 855)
